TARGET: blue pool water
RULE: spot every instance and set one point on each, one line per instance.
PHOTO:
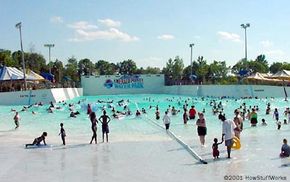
(32, 125)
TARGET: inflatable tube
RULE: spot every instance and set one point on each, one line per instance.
(236, 143)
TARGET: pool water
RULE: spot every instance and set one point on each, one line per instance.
(260, 145)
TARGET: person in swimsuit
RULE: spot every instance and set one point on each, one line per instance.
(38, 140)
(89, 109)
(166, 120)
(285, 149)
(239, 123)
(276, 115)
(157, 114)
(215, 151)
(192, 112)
(105, 119)
(16, 120)
(185, 117)
(62, 133)
(201, 128)
(253, 117)
(94, 127)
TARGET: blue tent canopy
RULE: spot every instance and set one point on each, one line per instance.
(243, 72)
(47, 76)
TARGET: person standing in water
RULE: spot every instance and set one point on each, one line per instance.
(157, 114)
(105, 119)
(89, 110)
(185, 117)
(253, 118)
(238, 120)
(166, 120)
(192, 112)
(228, 133)
(276, 115)
(94, 127)
(62, 133)
(201, 128)
(215, 150)
(16, 120)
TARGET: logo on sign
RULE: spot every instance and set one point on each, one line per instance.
(109, 83)
(125, 82)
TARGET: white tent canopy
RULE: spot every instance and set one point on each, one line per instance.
(282, 74)
(260, 76)
(11, 73)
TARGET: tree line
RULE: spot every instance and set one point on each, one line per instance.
(216, 72)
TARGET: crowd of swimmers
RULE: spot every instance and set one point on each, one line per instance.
(230, 127)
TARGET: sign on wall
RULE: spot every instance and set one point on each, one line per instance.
(125, 82)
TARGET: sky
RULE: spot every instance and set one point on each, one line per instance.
(148, 31)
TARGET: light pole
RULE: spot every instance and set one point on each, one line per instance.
(245, 26)
(18, 26)
(49, 47)
(191, 45)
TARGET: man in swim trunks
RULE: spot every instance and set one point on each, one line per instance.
(105, 119)
(228, 132)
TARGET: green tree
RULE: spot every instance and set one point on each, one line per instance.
(278, 66)
(240, 65)
(127, 67)
(57, 70)
(16, 56)
(286, 66)
(177, 68)
(275, 67)
(217, 71)
(202, 68)
(35, 62)
(168, 69)
(152, 70)
(86, 66)
(72, 69)
(6, 58)
(255, 66)
(105, 68)
(262, 59)
(174, 68)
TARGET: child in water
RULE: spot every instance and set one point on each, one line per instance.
(278, 125)
(38, 140)
(16, 120)
(285, 149)
(215, 151)
(62, 133)
(185, 117)
(157, 114)
(264, 122)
